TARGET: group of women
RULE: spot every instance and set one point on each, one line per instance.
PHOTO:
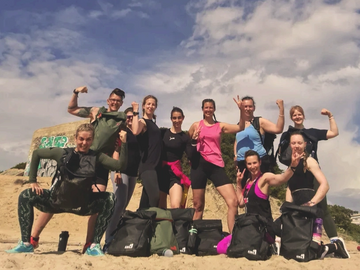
(161, 153)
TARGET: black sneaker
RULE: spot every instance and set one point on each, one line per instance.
(341, 251)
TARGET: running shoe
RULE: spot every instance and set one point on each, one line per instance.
(341, 251)
(21, 248)
(95, 250)
(35, 243)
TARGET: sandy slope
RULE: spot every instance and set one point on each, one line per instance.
(46, 257)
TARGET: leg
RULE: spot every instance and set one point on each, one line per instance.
(92, 218)
(175, 193)
(121, 195)
(27, 200)
(198, 202)
(40, 223)
(329, 224)
(102, 203)
(228, 193)
(198, 183)
(150, 194)
(162, 200)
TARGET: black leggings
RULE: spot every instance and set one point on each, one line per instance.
(100, 202)
(151, 192)
(328, 221)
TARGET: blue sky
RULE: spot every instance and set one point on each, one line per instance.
(183, 52)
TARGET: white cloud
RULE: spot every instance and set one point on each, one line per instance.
(306, 54)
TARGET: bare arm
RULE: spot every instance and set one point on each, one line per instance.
(333, 131)
(230, 128)
(314, 168)
(74, 109)
(270, 127)
(278, 179)
(138, 125)
(288, 196)
(239, 193)
(193, 128)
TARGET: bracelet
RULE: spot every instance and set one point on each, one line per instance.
(332, 117)
(281, 115)
(311, 203)
(293, 169)
(76, 93)
(193, 142)
(135, 113)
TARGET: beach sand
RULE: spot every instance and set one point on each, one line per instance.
(47, 257)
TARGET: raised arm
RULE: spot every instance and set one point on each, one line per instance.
(278, 179)
(74, 109)
(231, 128)
(138, 125)
(270, 127)
(333, 131)
(320, 194)
(239, 189)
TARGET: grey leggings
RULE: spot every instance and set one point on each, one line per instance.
(123, 193)
(100, 202)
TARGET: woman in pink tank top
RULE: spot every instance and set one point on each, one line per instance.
(206, 136)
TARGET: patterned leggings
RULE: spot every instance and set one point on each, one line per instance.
(100, 202)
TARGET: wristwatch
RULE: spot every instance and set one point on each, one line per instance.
(76, 93)
(135, 113)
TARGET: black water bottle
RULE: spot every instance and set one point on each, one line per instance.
(191, 244)
(63, 239)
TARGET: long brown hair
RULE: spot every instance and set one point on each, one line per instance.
(144, 101)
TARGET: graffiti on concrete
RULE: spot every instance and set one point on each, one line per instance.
(47, 167)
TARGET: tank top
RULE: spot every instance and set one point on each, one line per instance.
(150, 144)
(301, 179)
(255, 204)
(133, 154)
(208, 144)
(249, 139)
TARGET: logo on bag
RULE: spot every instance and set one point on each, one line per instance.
(302, 256)
(183, 250)
(129, 246)
(76, 209)
(252, 252)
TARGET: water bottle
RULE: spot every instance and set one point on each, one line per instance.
(63, 239)
(192, 239)
(167, 252)
(317, 230)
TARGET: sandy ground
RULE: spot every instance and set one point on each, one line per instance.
(47, 257)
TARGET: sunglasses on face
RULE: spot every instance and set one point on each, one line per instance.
(129, 117)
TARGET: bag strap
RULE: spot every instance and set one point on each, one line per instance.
(256, 124)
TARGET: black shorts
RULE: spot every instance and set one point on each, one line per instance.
(205, 170)
(102, 175)
(167, 179)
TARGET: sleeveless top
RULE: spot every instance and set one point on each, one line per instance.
(256, 205)
(133, 154)
(150, 144)
(208, 144)
(301, 179)
(249, 139)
